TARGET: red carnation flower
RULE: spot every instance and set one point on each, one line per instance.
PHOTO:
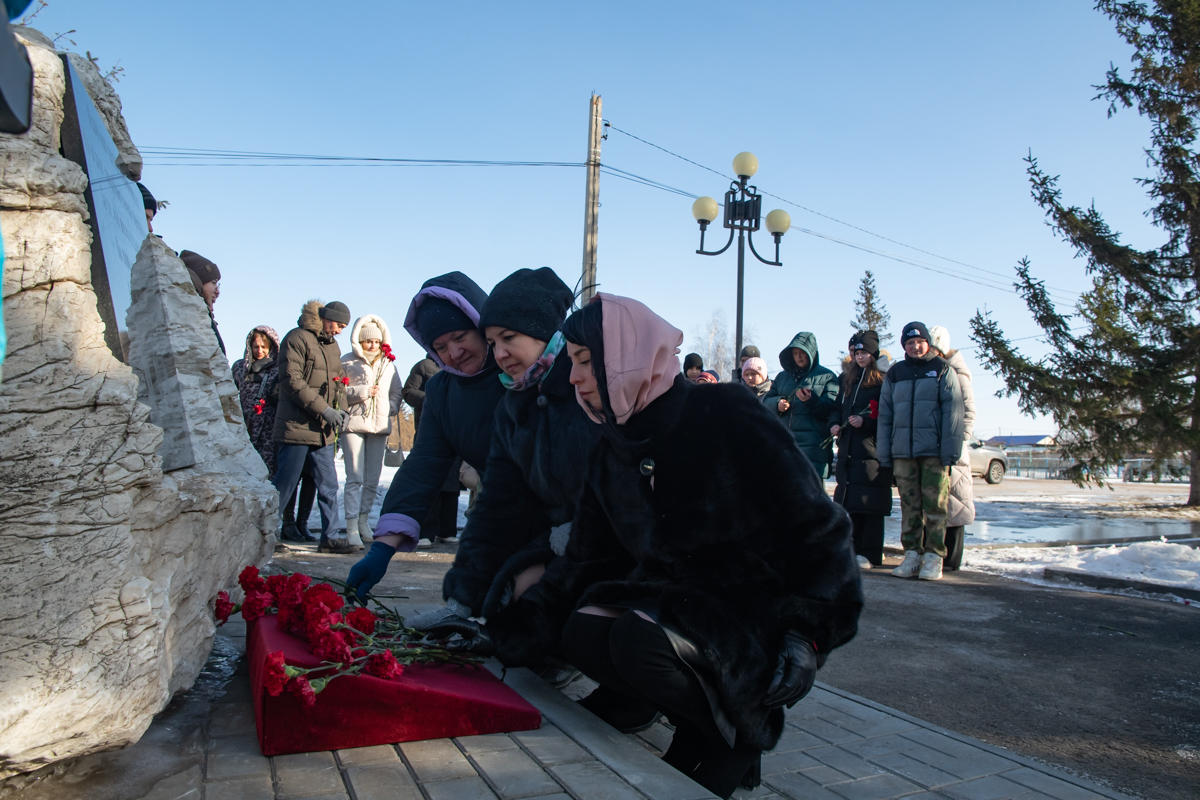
(276, 675)
(256, 604)
(276, 584)
(324, 594)
(362, 619)
(383, 665)
(223, 608)
(300, 687)
(332, 647)
(387, 352)
(874, 409)
(289, 599)
(250, 581)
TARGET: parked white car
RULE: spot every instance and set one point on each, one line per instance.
(987, 461)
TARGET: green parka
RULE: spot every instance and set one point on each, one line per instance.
(808, 421)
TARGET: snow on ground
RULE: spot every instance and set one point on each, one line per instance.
(385, 480)
(1158, 562)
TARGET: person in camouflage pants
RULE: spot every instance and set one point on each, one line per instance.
(921, 421)
(924, 486)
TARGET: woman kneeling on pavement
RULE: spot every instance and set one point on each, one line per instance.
(864, 488)
(538, 458)
(373, 398)
(707, 574)
(456, 417)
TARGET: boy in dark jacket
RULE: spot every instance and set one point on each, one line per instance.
(920, 437)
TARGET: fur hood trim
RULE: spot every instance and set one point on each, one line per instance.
(310, 317)
(356, 346)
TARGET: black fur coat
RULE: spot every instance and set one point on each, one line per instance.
(735, 539)
(534, 474)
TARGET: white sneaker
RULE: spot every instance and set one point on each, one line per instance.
(447, 540)
(423, 543)
(908, 568)
(863, 562)
(931, 567)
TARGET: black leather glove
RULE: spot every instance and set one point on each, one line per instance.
(795, 672)
(335, 417)
(475, 637)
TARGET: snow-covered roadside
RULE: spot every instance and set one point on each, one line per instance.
(1159, 562)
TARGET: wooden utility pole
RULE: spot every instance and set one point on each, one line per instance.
(591, 208)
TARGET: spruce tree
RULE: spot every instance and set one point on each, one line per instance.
(1123, 372)
(872, 314)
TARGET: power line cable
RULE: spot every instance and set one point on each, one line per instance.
(818, 213)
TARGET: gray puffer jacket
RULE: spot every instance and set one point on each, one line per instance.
(921, 412)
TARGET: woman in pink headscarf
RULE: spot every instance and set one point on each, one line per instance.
(707, 575)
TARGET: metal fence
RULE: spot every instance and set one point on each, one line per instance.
(1048, 464)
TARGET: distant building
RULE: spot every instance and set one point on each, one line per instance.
(1022, 441)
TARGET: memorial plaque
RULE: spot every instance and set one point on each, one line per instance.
(118, 217)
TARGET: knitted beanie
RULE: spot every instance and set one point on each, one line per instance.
(865, 340)
(335, 312)
(915, 330)
(750, 351)
(706, 377)
(437, 316)
(148, 199)
(755, 364)
(530, 301)
(692, 360)
(200, 268)
(939, 338)
(369, 330)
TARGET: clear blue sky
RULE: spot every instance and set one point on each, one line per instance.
(907, 120)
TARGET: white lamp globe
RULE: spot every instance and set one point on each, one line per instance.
(745, 165)
(779, 222)
(705, 209)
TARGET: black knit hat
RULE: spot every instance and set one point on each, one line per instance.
(750, 351)
(530, 301)
(437, 316)
(148, 199)
(865, 340)
(915, 330)
(335, 312)
(692, 360)
(202, 270)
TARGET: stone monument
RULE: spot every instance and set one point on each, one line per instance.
(109, 564)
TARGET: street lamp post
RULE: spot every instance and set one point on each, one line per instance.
(743, 210)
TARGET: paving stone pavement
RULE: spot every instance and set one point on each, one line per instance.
(835, 747)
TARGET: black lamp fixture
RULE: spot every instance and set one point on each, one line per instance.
(743, 211)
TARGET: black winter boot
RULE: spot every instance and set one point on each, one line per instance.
(723, 768)
(626, 714)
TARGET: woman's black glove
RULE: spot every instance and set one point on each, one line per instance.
(795, 672)
(475, 637)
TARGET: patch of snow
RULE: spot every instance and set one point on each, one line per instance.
(1159, 562)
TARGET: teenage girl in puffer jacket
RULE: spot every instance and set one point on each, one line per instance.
(373, 398)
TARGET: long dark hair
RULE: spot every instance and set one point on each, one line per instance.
(851, 371)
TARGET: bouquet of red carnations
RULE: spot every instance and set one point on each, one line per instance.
(359, 641)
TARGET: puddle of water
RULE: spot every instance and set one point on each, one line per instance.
(217, 671)
(986, 533)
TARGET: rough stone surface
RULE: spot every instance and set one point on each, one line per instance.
(182, 374)
(109, 565)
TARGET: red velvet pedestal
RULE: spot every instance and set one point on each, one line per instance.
(426, 702)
